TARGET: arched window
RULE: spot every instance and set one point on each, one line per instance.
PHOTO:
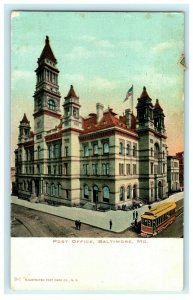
(120, 148)
(122, 193)
(128, 149)
(59, 189)
(39, 152)
(86, 151)
(85, 191)
(129, 192)
(46, 188)
(52, 189)
(51, 104)
(106, 194)
(105, 148)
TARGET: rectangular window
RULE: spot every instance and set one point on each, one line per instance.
(65, 169)
(105, 169)
(66, 194)
(66, 151)
(85, 169)
(134, 169)
(60, 169)
(121, 169)
(49, 170)
(128, 169)
(95, 169)
(151, 168)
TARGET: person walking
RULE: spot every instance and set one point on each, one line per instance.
(79, 224)
(76, 224)
(136, 215)
(133, 215)
(110, 224)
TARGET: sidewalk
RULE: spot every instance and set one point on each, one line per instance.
(121, 220)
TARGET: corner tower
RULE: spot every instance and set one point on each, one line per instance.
(47, 95)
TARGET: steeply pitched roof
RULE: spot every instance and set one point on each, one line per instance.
(24, 120)
(157, 105)
(144, 94)
(47, 52)
(71, 93)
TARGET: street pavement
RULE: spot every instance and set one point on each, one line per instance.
(121, 220)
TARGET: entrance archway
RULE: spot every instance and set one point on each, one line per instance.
(135, 191)
(95, 193)
(160, 190)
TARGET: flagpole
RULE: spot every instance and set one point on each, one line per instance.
(132, 101)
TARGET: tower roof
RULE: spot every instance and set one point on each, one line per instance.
(157, 105)
(144, 94)
(47, 51)
(71, 93)
(24, 120)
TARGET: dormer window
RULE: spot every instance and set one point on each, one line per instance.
(51, 104)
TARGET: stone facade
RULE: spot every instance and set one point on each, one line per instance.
(103, 160)
(173, 174)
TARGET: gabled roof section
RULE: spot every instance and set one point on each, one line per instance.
(108, 120)
(47, 52)
(24, 120)
(71, 93)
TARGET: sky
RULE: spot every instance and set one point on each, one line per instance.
(102, 55)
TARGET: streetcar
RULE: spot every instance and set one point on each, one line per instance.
(157, 218)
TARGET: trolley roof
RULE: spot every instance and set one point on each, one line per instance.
(159, 210)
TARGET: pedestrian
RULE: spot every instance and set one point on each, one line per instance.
(110, 224)
(79, 224)
(76, 224)
(135, 222)
(134, 215)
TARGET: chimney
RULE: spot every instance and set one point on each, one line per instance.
(128, 117)
(99, 109)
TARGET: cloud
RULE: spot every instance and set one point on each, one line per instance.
(73, 78)
(19, 74)
(78, 52)
(99, 83)
(87, 38)
(161, 47)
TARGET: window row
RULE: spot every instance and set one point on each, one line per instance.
(128, 193)
(95, 149)
(156, 152)
(95, 193)
(95, 169)
(129, 151)
(157, 169)
(54, 150)
(53, 189)
(130, 169)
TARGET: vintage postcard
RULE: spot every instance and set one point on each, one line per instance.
(97, 152)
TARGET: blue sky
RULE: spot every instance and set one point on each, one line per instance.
(102, 55)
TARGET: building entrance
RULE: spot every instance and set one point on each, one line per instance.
(95, 194)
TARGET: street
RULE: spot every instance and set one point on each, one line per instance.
(27, 222)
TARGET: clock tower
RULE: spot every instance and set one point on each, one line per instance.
(47, 95)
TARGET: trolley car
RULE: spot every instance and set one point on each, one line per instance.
(157, 218)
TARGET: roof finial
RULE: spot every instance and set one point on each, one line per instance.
(47, 39)
(144, 88)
